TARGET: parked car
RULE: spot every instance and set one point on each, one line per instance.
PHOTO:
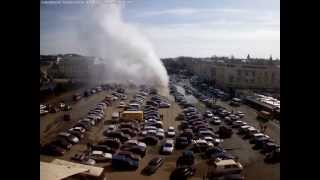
(215, 120)
(167, 147)
(235, 102)
(62, 142)
(83, 159)
(273, 157)
(187, 159)
(182, 173)
(242, 129)
(238, 123)
(259, 142)
(100, 156)
(129, 154)
(208, 114)
(76, 134)
(138, 150)
(121, 162)
(149, 140)
(171, 132)
(201, 145)
(153, 165)
(160, 133)
(269, 147)
(71, 138)
(52, 150)
(114, 143)
(164, 105)
(182, 142)
(118, 134)
(213, 151)
(226, 167)
(254, 137)
(78, 128)
(128, 131)
(104, 148)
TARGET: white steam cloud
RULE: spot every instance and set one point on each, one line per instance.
(128, 55)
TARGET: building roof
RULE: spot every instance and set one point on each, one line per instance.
(91, 170)
(50, 171)
(132, 112)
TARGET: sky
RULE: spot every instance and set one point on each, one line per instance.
(197, 28)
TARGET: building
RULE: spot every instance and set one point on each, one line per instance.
(236, 73)
(74, 67)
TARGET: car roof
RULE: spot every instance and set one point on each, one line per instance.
(171, 141)
(225, 162)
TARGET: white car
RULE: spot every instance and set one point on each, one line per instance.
(42, 106)
(136, 143)
(110, 128)
(70, 137)
(122, 105)
(43, 112)
(216, 120)
(77, 128)
(208, 114)
(149, 132)
(214, 141)
(202, 142)
(100, 156)
(168, 146)
(171, 132)
(150, 128)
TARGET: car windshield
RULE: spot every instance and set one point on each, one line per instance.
(168, 145)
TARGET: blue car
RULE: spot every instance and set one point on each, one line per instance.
(121, 162)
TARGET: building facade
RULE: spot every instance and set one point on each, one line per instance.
(238, 74)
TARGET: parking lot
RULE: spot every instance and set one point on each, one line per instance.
(252, 160)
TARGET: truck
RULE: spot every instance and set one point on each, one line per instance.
(131, 115)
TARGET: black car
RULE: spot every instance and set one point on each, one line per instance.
(152, 166)
(138, 150)
(150, 140)
(182, 173)
(117, 134)
(213, 151)
(111, 142)
(187, 159)
(182, 142)
(76, 134)
(259, 143)
(269, 147)
(273, 157)
(52, 150)
(62, 143)
(104, 148)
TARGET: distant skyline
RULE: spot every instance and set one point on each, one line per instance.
(179, 28)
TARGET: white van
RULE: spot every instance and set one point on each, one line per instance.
(115, 116)
(228, 166)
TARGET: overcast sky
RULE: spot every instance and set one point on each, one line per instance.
(198, 28)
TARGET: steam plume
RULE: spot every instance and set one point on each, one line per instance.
(128, 55)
